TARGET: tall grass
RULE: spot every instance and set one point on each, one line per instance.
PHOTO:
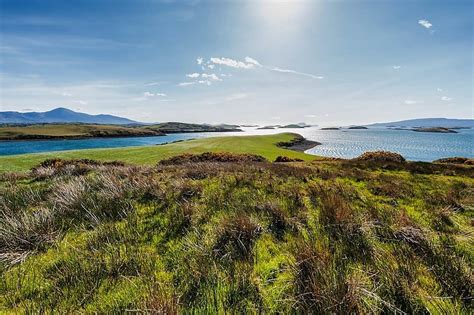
(214, 237)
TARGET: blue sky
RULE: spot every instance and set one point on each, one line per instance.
(325, 62)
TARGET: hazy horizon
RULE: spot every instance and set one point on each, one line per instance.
(253, 62)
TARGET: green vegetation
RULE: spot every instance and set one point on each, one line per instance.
(178, 127)
(234, 233)
(67, 131)
(261, 145)
(196, 235)
(72, 130)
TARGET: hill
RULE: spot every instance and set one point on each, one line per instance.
(179, 127)
(60, 115)
(71, 131)
(428, 122)
(227, 233)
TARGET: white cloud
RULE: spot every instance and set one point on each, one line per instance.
(81, 102)
(186, 83)
(199, 60)
(147, 95)
(296, 72)
(410, 102)
(207, 82)
(252, 61)
(439, 90)
(396, 67)
(211, 76)
(152, 83)
(232, 63)
(310, 116)
(425, 23)
(66, 94)
(193, 75)
(236, 96)
(446, 99)
(211, 66)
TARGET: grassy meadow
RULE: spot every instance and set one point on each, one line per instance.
(149, 155)
(231, 233)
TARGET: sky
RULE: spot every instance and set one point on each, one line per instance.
(255, 62)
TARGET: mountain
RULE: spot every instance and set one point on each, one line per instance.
(429, 122)
(60, 115)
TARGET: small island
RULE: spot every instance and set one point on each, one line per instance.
(330, 128)
(435, 129)
(267, 127)
(179, 127)
(357, 127)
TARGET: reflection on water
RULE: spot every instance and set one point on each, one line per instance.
(416, 146)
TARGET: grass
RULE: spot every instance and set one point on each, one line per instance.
(149, 155)
(224, 233)
(60, 131)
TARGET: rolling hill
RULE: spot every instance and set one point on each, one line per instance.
(60, 115)
(428, 122)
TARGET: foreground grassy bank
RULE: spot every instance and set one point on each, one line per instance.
(246, 236)
(149, 155)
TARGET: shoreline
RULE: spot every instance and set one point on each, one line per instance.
(299, 144)
(57, 138)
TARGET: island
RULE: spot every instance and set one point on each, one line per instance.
(72, 131)
(330, 128)
(434, 129)
(54, 131)
(179, 127)
(357, 127)
(267, 127)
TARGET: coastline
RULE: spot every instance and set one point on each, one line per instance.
(83, 137)
(299, 143)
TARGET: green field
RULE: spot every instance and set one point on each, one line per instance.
(261, 145)
(318, 237)
(60, 131)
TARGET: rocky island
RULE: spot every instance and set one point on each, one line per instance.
(435, 129)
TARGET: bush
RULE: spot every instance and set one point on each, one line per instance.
(284, 159)
(381, 156)
(212, 157)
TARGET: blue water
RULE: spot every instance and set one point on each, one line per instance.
(417, 146)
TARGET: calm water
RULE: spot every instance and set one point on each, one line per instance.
(416, 146)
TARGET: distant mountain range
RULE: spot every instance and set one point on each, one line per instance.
(428, 122)
(60, 115)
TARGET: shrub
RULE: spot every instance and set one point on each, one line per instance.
(284, 159)
(236, 237)
(22, 234)
(455, 160)
(212, 157)
(381, 156)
